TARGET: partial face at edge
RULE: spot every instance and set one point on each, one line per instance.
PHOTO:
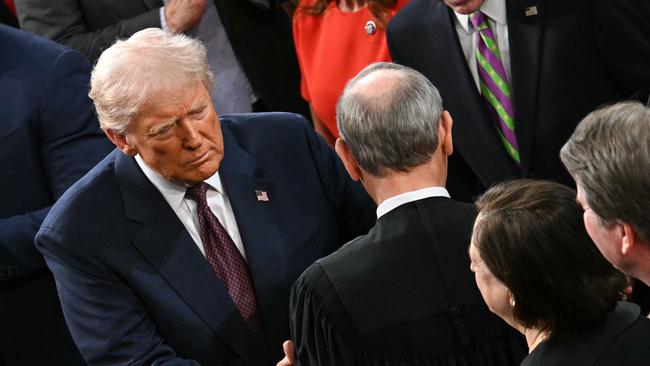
(180, 138)
(606, 239)
(464, 6)
(495, 294)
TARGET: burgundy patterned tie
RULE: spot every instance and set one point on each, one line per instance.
(226, 260)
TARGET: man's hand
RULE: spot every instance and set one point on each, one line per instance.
(289, 355)
(182, 15)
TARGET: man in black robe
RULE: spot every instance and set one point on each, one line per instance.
(402, 294)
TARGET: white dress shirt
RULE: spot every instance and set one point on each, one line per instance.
(404, 198)
(495, 10)
(185, 208)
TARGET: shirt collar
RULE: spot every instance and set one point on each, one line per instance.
(494, 9)
(174, 192)
(404, 198)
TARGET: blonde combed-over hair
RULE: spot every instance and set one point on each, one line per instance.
(141, 71)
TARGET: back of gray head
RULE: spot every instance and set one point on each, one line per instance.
(394, 129)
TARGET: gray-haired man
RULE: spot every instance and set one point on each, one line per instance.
(403, 294)
(609, 157)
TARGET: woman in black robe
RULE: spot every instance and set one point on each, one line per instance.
(537, 269)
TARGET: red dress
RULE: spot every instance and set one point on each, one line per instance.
(332, 48)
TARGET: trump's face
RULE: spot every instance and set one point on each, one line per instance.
(464, 6)
(179, 136)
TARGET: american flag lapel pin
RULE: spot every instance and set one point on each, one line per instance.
(530, 11)
(262, 196)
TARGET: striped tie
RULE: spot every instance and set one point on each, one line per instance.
(494, 83)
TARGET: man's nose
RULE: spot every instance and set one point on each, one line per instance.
(191, 136)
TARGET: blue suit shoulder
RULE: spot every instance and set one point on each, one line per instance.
(97, 192)
(278, 138)
(31, 52)
(270, 126)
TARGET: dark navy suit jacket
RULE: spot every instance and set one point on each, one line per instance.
(567, 58)
(49, 138)
(135, 288)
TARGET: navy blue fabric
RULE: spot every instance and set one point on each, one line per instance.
(49, 138)
(136, 289)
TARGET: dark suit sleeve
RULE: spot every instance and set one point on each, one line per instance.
(63, 21)
(107, 320)
(314, 308)
(622, 31)
(70, 143)
(355, 210)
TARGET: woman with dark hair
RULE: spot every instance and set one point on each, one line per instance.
(538, 270)
(334, 40)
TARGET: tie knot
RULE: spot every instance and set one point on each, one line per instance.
(197, 192)
(479, 20)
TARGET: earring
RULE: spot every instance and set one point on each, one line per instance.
(512, 301)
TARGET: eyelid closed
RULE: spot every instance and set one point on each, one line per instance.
(162, 129)
(198, 111)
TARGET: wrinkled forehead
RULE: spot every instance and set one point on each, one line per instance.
(175, 101)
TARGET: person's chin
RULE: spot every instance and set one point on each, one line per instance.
(208, 168)
(462, 6)
(201, 169)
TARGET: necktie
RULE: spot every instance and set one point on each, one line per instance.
(226, 260)
(494, 83)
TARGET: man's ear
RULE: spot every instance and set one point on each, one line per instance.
(348, 161)
(444, 133)
(629, 238)
(121, 142)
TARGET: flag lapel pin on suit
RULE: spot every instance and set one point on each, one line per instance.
(530, 11)
(262, 196)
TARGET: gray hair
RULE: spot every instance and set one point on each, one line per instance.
(137, 72)
(609, 155)
(395, 128)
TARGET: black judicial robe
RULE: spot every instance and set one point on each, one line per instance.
(401, 295)
(623, 339)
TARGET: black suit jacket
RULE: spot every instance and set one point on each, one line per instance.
(402, 294)
(567, 60)
(261, 38)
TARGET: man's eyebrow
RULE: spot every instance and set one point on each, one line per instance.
(197, 108)
(157, 128)
(200, 104)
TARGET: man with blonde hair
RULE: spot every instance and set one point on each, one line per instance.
(180, 247)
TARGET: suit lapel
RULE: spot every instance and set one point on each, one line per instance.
(525, 33)
(259, 232)
(475, 138)
(167, 245)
